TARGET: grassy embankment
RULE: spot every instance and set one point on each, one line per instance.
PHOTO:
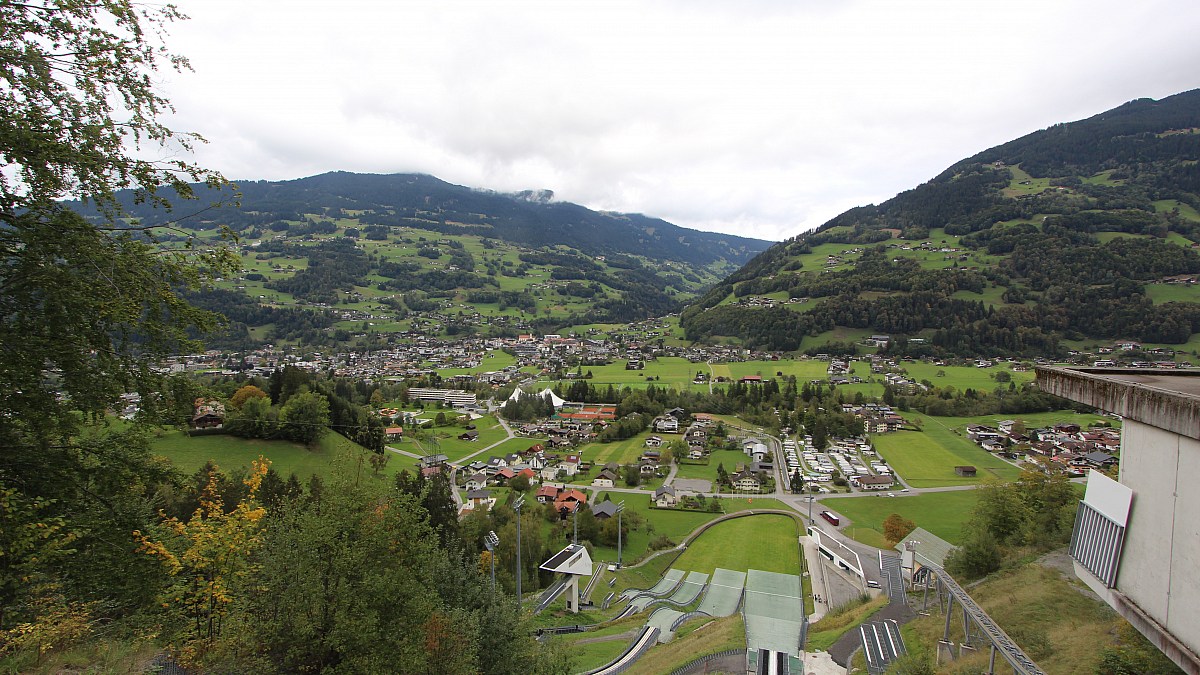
(189, 453)
(1059, 627)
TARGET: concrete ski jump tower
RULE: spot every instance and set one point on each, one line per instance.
(574, 562)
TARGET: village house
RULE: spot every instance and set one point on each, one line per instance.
(476, 482)
(666, 425)
(568, 501)
(480, 499)
(746, 481)
(605, 479)
(880, 482)
(547, 494)
(208, 414)
(664, 497)
(604, 510)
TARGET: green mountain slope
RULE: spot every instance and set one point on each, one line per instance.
(342, 258)
(1081, 232)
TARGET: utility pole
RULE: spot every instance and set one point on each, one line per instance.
(517, 507)
(620, 508)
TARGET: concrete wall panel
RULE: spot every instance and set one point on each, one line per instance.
(1149, 460)
(1183, 619)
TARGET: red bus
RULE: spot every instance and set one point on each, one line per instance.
(831, 518)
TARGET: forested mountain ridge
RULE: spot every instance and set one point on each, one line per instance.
(350, 259)
(1081, 232)
(529, 218)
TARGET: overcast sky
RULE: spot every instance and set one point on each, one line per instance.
(757, 117)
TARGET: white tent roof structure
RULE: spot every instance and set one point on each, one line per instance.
(558, 402)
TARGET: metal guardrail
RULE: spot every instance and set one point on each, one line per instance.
(549, 595)
(561, 630)
(607, 601)
(597, 572)
(684, 618)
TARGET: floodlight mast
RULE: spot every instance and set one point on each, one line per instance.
(517, 507)
(491, 541)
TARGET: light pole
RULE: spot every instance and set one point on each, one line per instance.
(575, 540)
(517, 507)
(620, 508)
(810, 501)
(491, 541)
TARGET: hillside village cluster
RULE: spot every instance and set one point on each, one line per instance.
(555, 462)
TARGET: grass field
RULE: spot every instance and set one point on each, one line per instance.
(1160, 293)
(942, 513)
(958, 425)
(622, 452)
(668, 371)
(189, 453)
(675, 524)
(965, 377)
(728, 458)
(927, 458)
(766, 542)
(448, 441)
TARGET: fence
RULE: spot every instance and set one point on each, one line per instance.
(703, 661)
(163, 664)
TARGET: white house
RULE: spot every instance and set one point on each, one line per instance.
(606, 479)
(665, 496)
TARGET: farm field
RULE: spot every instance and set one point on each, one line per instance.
(992, 295)
(448, 442)
(518, 444)
(667, 371)
(965, 377)
(766, 542)
(927, 458)
(623, 452)
(942, 513)
(958, 425)
(190, 453)
(1160, 293)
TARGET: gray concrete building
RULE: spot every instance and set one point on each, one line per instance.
(1137, 539)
